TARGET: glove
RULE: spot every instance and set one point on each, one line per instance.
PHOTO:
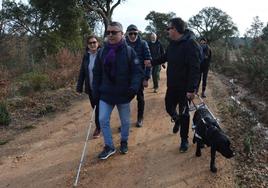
(131, 93)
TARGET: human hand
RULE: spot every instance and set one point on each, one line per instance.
(145, 83)
(190, 95)
(147, 63)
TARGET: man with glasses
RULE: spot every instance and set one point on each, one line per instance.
(116, 80)
(182, 56)
(141, 48)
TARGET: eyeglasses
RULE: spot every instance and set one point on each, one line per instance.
(168, 28)
(93, 42)
(112, 32)
(132, 33)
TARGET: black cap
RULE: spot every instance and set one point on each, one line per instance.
(132, 28)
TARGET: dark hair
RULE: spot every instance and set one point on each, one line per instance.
(179, 24)
(117, 24)
(203, 38)
(92, 37)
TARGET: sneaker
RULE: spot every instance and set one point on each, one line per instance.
(184, 145)
(139, 123)
(96, 133)
(107, 152)
(123, 147)
(203, 95)
(176, 127)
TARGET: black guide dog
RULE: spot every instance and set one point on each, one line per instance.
(208, 131)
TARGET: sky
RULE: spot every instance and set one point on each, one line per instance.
(241, 11)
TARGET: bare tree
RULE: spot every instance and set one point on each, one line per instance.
(104, 8)
(255, 29)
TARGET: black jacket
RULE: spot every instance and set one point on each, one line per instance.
(183, 63)
(83, 79)
(156, 49)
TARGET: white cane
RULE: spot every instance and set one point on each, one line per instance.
(85, 146)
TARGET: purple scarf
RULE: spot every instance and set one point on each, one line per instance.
(109, 60)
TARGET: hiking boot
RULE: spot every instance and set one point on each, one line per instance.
(139, 123)
(96, 133)
(176, 127)
(184, 145)
(123, 147)
(107, 152)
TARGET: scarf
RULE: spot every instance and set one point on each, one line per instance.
(109, 60)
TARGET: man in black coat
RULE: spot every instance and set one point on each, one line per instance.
(182, 56)
(157, 51)
(204, 67)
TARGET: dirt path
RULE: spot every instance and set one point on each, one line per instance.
(48, 155)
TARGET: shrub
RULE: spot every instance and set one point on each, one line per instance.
(32, 82)
(4, 115)
(62, 67)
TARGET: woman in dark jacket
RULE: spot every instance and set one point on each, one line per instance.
(86, 76)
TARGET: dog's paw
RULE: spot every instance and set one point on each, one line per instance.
(213, 169)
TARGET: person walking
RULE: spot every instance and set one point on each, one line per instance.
(116, 80)
(143, 52)
(204, 67)
(182, 56)
(157, 51)
(85, 77)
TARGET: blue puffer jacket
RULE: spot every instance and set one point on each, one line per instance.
(142, 49)
(128, 77)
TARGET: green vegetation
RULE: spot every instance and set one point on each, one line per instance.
(4, 115)
(32, 82)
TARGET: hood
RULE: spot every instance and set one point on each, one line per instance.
(188, 35)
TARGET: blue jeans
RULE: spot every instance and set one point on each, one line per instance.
(105, 111)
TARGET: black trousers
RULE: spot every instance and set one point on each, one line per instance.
(93, 104)
(141, 103)
(204, 67)
(176, 99)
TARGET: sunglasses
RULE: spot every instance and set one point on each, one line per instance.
(132, 33)
(93, 42)
(112, 32)
(168, 28)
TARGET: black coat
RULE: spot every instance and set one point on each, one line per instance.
(156, 49)
(183, 61)
(83, 78)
